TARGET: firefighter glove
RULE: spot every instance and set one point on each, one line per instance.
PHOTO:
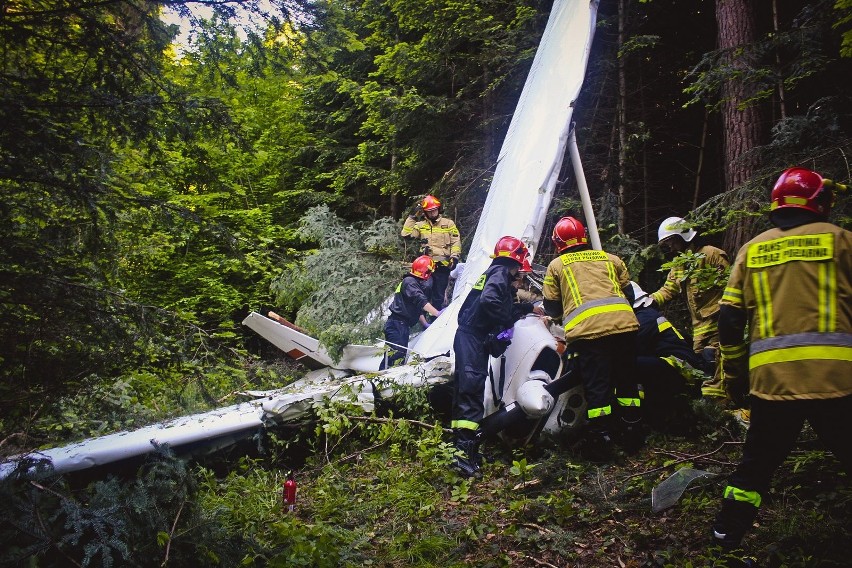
(736, 387)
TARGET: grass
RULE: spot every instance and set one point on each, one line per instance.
(386, 496)
(378, 491)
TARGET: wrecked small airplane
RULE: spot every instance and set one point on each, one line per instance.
(517, 204)
(530, 391)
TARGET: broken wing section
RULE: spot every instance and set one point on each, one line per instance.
(308, 351)
(206, 432)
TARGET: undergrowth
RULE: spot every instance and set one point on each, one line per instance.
(378, 491)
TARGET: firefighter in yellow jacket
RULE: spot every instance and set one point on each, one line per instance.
(438, 238)
(677, 237)
(792, 287)
(584, 289)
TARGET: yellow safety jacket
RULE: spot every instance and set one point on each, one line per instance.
(442, 237)
(703, 304)
(796, 287)
(588, 283)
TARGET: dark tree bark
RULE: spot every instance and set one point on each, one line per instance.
(622, 123)
(741, 122)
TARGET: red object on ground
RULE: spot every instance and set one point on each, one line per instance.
(289, 494)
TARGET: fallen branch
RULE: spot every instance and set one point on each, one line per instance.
(681, 460)
(536, 527)
(541, 562)
(679, 455)
(12, 436)
(377, 420)
(222, 399)
(359, 452)
(172, 534)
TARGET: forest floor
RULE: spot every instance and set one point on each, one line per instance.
(395, 503)
(378, 490)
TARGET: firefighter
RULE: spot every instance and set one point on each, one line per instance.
(792, 287)
(522, 285)
(666, 367)
(676, 238)
(410, 300)
(439, 239)
(584, 289)
(488, 310)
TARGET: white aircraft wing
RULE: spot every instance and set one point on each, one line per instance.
(216, 429)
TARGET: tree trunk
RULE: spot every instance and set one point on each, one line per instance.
(700, 165)
(782, 105)
(741, 122)
(622, 122)
(394, 201)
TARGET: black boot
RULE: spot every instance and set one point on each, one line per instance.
(731, 524)
(597, 444)
(630, 435)
(467, 460)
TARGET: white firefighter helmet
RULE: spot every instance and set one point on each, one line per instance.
(531, 396)
(641, 298)
(675, 226)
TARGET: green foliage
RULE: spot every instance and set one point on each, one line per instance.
(843, 17)
(758, 65)
(152, 520)
(630, 251)
(248, 500)
(99, 409)
(638, 43)
(355, 269)
(149, 201)
(392, 84)
(694, 269)
(133, 237)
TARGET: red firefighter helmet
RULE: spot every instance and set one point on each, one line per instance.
(568, 232)
(803, 189)
(511, 247)
(423, 267)
(429, 203)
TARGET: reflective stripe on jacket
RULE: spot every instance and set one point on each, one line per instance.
(703, 304)
(588, 284)
(796, 288)
(410, 296)
(442, 236)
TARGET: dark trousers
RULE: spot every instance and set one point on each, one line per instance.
(396, 333)
(471, 372)
(667, 394)
(440, 279)
(606, 365)
(773, 430)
